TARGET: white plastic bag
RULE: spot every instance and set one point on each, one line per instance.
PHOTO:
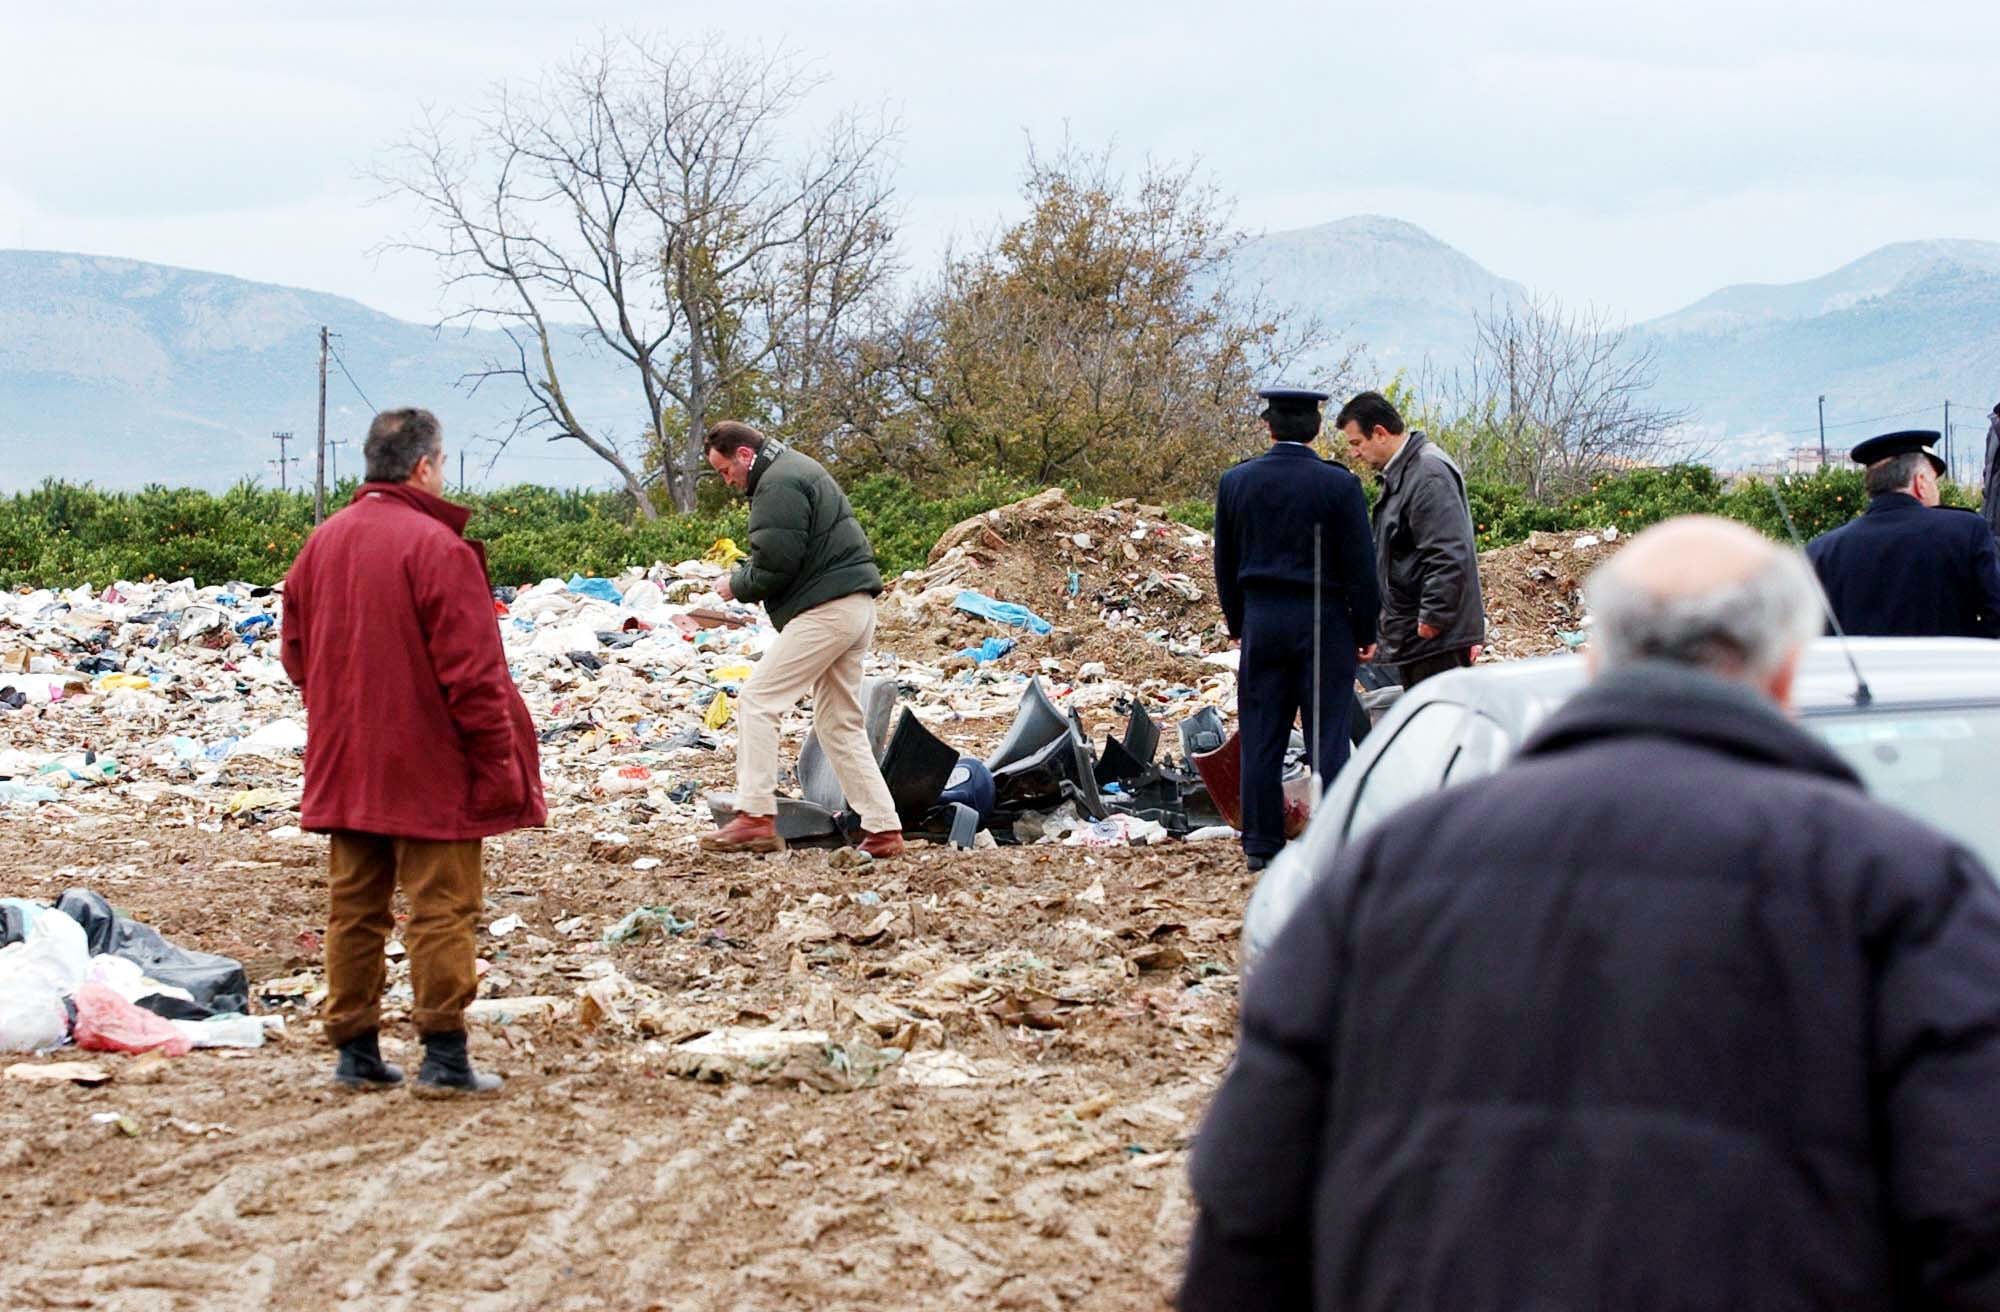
(35, 975)
(55, 952)
(224, 1031)
(32, 1018)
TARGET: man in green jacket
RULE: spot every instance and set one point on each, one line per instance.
(811, 566)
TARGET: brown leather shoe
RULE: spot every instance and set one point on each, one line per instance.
(882, 846)
(745, 833)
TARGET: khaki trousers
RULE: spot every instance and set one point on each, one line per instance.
(443, 884)
(820, 653)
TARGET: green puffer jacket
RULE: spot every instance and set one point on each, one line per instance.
(806, 547)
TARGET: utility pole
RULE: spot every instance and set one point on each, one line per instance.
(335, 446)
(285, 457)
(319, 474)
(1947, 438)
(461, 471)
(1822, 432)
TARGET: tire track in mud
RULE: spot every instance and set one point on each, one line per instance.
(250, 1221)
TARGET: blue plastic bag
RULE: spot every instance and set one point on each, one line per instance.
(597, 589)
(1001, 612)
(990, 650)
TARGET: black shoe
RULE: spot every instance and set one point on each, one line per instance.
(447, 1071)
(1257, 863)
(361, 1068)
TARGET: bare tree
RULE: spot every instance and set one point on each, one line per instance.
(641, 200)
(1554, 398)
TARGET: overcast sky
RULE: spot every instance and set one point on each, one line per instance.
(1636, 157)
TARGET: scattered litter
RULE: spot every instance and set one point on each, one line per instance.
(647, 922)
(807, 1058)
(514, 1011)
(504, 926)
(88, 1074)
(938, 1069)
(125, 1124)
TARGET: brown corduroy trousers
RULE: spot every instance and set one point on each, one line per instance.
(443, 884)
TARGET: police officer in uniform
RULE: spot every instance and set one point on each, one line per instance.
(1903, 569)
(1268, 515)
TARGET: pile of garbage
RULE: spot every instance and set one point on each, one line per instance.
(1085, 626)
(1044, 782)
(1122, 587)
(171, 696)
(1534, 591)
(78, 972)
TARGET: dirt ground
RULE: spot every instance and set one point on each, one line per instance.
(1088, 997)
(1013, 1046)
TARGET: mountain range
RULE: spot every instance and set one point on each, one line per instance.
(1886, 339)
(125, 373)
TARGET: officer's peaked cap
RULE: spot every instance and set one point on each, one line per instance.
(1890, 445)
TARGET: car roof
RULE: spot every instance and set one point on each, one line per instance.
(1899, 672)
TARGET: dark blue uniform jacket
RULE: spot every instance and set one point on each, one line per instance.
(1264, 518)
(1904, 570)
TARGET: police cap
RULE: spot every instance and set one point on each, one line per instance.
(1908, 442)
(1298, 401)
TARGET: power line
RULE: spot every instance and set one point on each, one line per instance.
(1854, 423)
(350, 379)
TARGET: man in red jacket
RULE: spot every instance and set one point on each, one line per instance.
(418, 747)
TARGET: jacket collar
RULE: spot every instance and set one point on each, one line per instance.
(1658, 700)
(765, 458)
(1292, 450)
(450, 514)
(1886, 503)
(1405, 460)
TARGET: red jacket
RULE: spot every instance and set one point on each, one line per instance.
(415, 729)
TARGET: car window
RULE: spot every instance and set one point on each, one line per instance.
(1410, 766)
(1937, 765)
(1479, 752)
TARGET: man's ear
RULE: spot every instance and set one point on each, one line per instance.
(1779, 685)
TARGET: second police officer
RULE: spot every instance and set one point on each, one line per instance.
(1273, 513)
(1903, 569)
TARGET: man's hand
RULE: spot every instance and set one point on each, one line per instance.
(1477, 648)
(1426, 631)
(723, 590)
(1365, 654)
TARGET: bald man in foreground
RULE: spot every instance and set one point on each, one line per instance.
(1667, 1014)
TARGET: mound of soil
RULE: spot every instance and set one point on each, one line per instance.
(1122, 585)
(1534, 591)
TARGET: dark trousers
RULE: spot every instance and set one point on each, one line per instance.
(443, 884)
(1274, 687)
(1431, 666)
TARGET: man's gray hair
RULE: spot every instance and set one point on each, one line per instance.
(1743, 630)
(397, 440)
(1893, 474)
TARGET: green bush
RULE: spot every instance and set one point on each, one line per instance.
(61, 534)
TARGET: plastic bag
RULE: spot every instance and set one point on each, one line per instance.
(216, 983)
(54, 953)
(32, 1018)
(106, 1022)
(725, 552)
(595, 589)
(222, 1031)
(1001, 612)
(35, 975)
